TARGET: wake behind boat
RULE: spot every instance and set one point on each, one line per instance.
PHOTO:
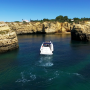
(47, 48)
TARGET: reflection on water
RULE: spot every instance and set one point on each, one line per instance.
(40, 37)
(79, 42)
(46, 60)
(8, 59)
(79, 45)
(63, 35)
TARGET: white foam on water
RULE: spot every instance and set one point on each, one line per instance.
(45, 61)
(33, 77)
(46, 64)
(24, 80)
(51, 79)
(77, 74)
(57, 74)
(62, 72)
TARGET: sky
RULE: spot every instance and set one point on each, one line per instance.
(16, 10)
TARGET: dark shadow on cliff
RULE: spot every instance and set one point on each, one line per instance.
(43, 29)
(40, 32)
(37, 32)
(79, 35)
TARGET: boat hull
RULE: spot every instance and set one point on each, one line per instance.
(46, 53)
(46, 49)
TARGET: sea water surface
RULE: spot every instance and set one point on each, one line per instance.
(25, 69)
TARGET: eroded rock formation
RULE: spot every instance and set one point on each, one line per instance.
(81, 32)
(8, 38)
(37, 27)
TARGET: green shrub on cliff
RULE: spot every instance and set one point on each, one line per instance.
(24, 22)
(59, 18)
(16, 21)
(62, 18)
(46, 19)
(65, 18)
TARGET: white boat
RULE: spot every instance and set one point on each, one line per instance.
(47, 48)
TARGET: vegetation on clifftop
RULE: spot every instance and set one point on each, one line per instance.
(60, 18)
(63, 19)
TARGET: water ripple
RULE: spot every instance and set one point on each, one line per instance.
(23, 79)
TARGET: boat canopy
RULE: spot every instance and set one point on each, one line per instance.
(46, 43)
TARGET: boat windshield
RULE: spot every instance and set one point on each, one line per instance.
(46, 44)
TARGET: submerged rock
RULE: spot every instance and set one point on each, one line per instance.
(8, 38)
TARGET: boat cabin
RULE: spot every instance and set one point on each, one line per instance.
(46, 44)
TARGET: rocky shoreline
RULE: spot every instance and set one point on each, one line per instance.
(10, 30)
(38, 27)
(8, 38)
(81, 32)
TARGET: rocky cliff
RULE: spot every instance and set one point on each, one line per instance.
(38, 27)
(81, 32)
(8, 38)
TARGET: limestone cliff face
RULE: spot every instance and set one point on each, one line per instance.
(8, 38)
(37, 27)
(81, 32)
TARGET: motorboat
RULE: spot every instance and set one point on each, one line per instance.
(47, 48)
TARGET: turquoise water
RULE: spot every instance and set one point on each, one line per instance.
(25, 69)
